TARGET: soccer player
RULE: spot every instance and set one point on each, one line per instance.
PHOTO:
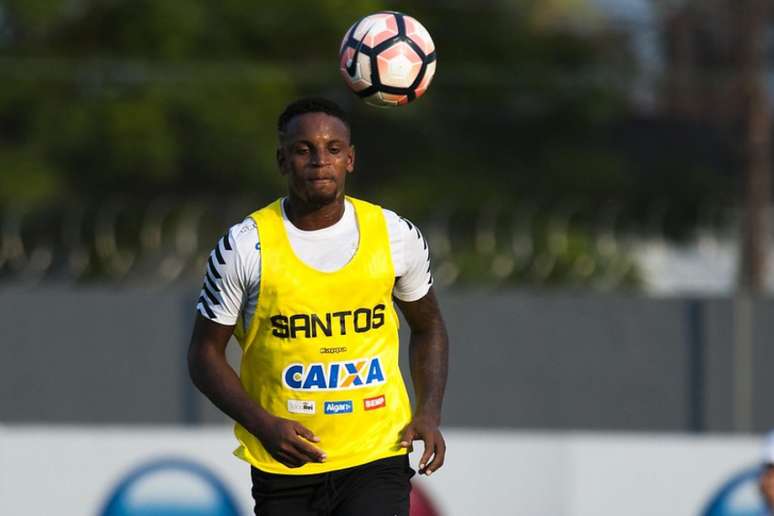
(306, 284)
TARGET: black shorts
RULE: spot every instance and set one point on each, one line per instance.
(378, 488)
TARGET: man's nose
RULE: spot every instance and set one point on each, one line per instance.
(318, 158)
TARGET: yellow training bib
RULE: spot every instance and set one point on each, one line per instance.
(322, 348)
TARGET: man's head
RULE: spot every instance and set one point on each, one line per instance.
(767, 473)
(315, 151)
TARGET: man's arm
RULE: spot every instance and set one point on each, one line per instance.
(286, 440)
(429, 360)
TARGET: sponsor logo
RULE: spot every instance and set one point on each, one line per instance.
(338, 407)
(332, 351)
(301, 407)
(738, 496)
(335, 376)
(359, 320)
(169, 486)
(374, 403)
(248, 226)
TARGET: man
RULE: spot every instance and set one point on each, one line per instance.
(767, 473)
(306, 285)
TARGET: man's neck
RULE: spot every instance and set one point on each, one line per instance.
(311, 217)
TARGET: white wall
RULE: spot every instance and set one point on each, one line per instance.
(70, 471)
(585, 474)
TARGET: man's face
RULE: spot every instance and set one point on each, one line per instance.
(767, 484)
(316, 155)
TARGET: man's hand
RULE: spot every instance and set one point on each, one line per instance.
(288, 442)
(425, 429)
(429, 359)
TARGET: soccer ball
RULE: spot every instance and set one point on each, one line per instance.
(387, 59)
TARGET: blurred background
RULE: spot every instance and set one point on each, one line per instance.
(593, 177)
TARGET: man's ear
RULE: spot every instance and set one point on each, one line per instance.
(281, 159)
(351, 159)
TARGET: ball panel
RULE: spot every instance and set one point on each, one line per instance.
(381, 31)
(392, 99)
(382, 99)
(365, 23)
(376, 29)
(344, 56)
(419, 34)
(398, 65)
(346, 37)
(425, 83)
(360, 79)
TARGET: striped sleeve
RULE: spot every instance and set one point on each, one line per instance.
(411, 258)
(227, 284)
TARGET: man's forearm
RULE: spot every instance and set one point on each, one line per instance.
(429, 359)
(216, 379)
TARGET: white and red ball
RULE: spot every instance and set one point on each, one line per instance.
(387, 59)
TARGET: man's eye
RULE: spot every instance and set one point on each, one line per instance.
(335, 150)
(302, 150)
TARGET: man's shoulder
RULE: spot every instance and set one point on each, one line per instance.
(247, 228)
(390, 216)
(398, 224)
(243, 234)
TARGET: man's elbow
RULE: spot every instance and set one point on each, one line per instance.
(435, 329)
(196, 365)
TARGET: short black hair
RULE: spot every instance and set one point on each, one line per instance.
(311, 105)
